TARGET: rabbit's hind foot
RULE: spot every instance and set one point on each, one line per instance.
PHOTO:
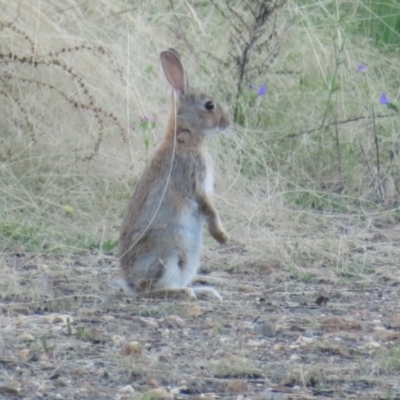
(181, 293)
(206, 291)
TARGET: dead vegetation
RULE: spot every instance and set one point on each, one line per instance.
(307, 185)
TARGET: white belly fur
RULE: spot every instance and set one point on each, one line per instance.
(191, 231)
(209, 180)
(192, 234)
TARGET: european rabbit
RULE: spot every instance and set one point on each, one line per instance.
(161, 235)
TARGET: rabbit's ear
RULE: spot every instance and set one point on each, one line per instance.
(174, 71)
(175, 52)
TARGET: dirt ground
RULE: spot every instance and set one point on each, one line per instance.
(65, 334)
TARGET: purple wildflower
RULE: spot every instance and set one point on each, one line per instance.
(262, 90)
(144, 118)
(362, 68)
(384, 100)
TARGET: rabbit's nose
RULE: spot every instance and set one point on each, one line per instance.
(223, 123)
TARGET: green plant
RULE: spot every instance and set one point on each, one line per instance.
(44, 342)
(389, 359)
(84, 334)
(379, 20)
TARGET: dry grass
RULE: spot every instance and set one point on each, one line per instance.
(75, 81)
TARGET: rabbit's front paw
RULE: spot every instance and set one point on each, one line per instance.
(221, 236)
(216, 230)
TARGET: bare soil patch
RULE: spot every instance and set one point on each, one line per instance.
(67, 335)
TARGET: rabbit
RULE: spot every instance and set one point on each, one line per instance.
(161, 234)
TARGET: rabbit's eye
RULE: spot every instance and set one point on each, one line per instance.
(209, 105)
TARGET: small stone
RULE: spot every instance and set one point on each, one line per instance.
(163, 359)
(152, 382)
(158, 394)
(166, 333)
(264, 329)
(25, 372)
(102, 373)
(194, 311)
(127, 389)
(256, 343)
(131, 349)
(24, 353)
(118, 340)
(87, 313)
(379, 237)
(386, 335)
(60, 319)
(236, 386)
(80, 371)
(245, 289)
(273, 395)
(335, 324)
(61, 382)
(395, 322)
(303, 341)
(178, 390)
(26, 337)
(11, 388)
(322, 299)
(175, 320)
(373, 345)
(148, 322)
(20, 310)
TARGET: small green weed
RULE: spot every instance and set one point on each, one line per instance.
(389, 359)
(84, 334)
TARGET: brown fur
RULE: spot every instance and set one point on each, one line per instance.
(172, 187)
